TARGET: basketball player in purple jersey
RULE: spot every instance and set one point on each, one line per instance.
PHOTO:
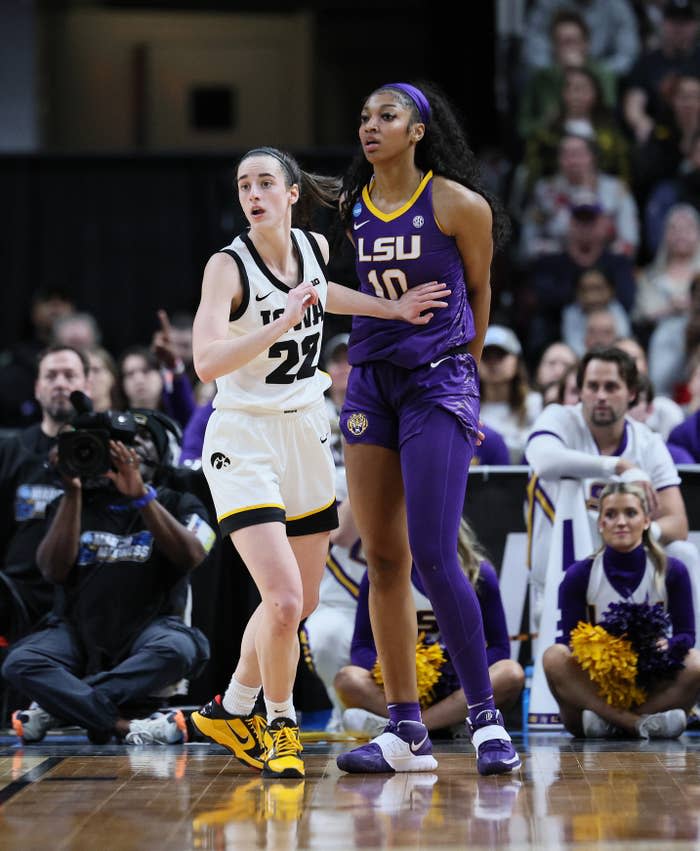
(413, 209)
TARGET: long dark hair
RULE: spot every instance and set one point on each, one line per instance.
(315, 190)
(443, 149)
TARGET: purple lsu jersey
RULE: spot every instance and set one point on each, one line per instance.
(397, 251)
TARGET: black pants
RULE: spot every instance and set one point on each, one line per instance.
(49, 668)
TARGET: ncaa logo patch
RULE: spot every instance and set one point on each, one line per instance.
(357, 424)
(418, 221)
(357, 209)
(219, 461)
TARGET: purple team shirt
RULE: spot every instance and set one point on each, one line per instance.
(397, 251)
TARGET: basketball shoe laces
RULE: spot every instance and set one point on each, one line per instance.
(285, 742)
(257, 724)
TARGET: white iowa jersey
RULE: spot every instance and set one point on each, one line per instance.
(284, 377)
(639, 444)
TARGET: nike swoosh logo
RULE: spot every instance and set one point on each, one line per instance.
(416, 746)
(516, 758)
(248, 743)
(359, 225)
(263, 297)
(324, 439)
(433, 364)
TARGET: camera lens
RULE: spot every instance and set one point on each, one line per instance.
(84, 454)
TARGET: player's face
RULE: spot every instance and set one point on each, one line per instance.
(605, 397)
(265, 198)
(622, 521)
(60, 373)
(385, 127)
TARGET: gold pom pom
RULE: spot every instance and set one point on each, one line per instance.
(611, 664)
(429, 661)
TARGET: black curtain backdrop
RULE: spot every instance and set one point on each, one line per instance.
(122, 236)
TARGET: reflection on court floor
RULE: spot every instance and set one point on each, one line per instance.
(71, 795)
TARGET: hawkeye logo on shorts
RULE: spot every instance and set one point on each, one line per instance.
(219, 461)
(357, 424)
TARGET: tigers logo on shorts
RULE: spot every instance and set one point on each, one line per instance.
(219, 461)
(357, 424)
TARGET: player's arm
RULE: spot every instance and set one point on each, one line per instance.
(215, 354)
(411, 307)
(466, 216)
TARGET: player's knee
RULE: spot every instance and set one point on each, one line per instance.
(285, 610)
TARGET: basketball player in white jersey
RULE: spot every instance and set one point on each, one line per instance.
(266, 451)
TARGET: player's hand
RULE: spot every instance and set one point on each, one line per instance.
(162, 344)
(299, 298)
(416, 305)
(126, 474)
(480, 436)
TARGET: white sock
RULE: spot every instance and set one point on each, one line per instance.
(240, 699)
(280, 710)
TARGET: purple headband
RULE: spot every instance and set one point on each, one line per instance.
(416, 95)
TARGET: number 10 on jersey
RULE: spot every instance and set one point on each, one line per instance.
(393, 283)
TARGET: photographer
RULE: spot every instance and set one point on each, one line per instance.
(28, 484)
(119, 552)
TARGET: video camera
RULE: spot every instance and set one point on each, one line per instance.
(84, 452)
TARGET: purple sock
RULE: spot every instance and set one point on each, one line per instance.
(435, 465)
(404, 712)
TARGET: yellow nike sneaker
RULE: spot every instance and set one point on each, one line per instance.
(284, 801)
(243, 735)
(283, 759)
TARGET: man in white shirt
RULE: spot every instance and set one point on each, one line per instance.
(596, 442)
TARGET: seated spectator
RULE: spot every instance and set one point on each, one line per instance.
(564, 391)
(594, 442)
(578, 188)
(594, 292)
(582, 112)
(555, 361)
(630, 567)
(444, 704)
(670, 140)
(507, 403)
(104, 381)
(28, 485)
(602, 329)
(665, 414)
(79, 330)
(651, 81)
(554, 277)
(144, 385)
(193, 435)
(611, 24)
(686, 435)
(569, 44)
(18, 407)
(493, 450)
(663, 295)
(684, 188)
(119, 552)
